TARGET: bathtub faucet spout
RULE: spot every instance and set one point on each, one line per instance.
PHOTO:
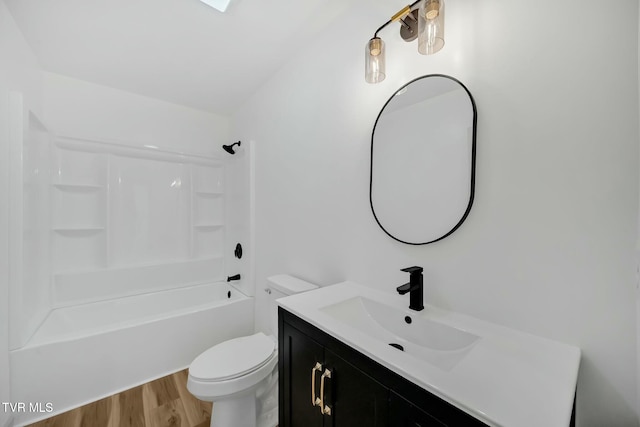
(230, 278)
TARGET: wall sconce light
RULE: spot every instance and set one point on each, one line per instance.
(425, 22)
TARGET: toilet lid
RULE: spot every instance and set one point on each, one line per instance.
(233, 358)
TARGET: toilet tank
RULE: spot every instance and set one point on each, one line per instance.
(280, 286)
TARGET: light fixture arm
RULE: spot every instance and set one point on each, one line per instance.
(404, 23)
(399, 16)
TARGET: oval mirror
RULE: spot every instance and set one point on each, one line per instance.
(423, 160)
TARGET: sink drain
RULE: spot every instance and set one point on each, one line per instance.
(398, 346)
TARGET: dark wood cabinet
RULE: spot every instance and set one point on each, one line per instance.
(353, 389)
(299, 355)
(403, 413)
(348, 396)
(355, 398)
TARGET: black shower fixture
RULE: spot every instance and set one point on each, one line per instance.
(229, 148)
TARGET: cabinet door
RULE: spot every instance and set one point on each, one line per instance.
(299, 354)
(404, 414)
(355, 398)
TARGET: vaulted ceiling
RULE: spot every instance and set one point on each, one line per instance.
(181, 51)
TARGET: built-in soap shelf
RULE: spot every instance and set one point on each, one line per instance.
(79, 227)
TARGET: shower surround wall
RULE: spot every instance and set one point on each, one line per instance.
(132, 221)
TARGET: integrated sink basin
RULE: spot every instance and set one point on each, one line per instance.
(436, 343)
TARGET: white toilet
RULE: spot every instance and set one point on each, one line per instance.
(241, 375)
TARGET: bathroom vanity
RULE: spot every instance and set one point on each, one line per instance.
(352, 356)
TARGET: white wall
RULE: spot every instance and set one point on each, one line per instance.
(4, 247)
(549, 246)
(638, 266)
(19, 69)
(77, 108)
(19, 72)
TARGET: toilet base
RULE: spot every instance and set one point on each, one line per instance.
(257, 408)
(236, 412)
(267, 402)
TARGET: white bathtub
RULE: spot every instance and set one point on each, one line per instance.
(86, 352)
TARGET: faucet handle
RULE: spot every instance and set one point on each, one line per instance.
(412, 270)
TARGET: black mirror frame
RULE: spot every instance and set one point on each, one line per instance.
(473, 160)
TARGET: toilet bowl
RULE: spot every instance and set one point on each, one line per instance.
(241, 375)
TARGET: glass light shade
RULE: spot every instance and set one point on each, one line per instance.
(431, 26)
(374, 60)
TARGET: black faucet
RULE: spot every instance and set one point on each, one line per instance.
(414, 287)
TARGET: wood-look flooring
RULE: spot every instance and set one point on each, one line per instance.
(160, 403)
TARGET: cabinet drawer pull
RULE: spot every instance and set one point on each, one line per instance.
(324, 409)
(315, 401)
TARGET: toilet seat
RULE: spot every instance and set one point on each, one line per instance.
(242, 379)
(232, 359)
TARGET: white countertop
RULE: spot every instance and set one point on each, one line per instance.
(508, 378)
